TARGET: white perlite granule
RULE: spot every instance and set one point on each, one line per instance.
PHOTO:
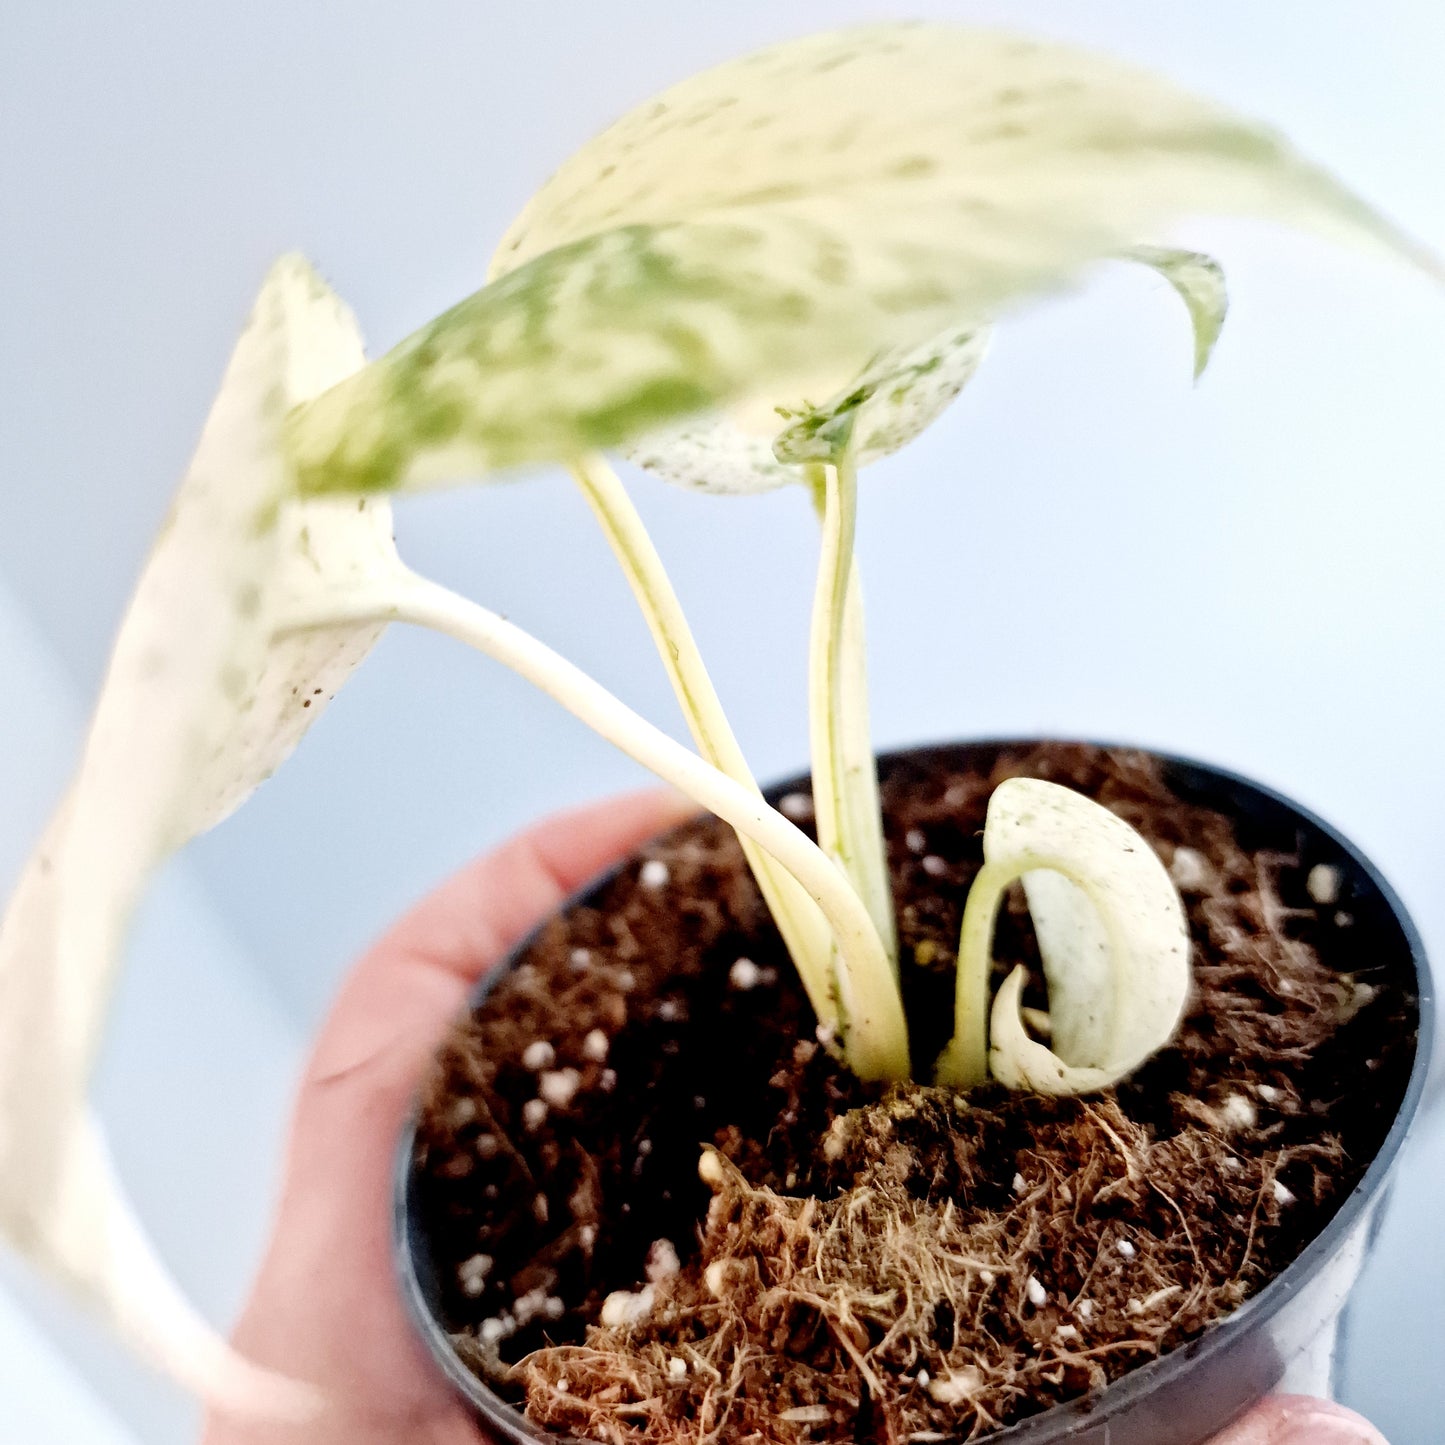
(1189, 870)
(1323, 883)
(538, 1056)
(472, 1274)
(744, 975)
(530, 1305)
(1238, 1113)
(559, 1086)
(715, 1278)
(662, 1261)
(622, 1308)
(954, 1389)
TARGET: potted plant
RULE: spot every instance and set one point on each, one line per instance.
(776, 272)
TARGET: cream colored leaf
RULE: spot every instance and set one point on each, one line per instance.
(601, 342)
(995, 126)
(1020, 1062)
(898, 397)
(201, 701)
(1111, 932)
(1114, 941)
(713, 453)
(762, 232)
(1199, 281)
(1078, 964)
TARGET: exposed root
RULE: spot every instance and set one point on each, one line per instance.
(912, 1268)
(914, 1304)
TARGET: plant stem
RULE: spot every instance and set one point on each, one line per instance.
(871, 1026)
(799, 921)
(860, 769)
(845, 776)
(964, 1063)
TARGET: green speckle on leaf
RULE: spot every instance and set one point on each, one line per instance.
(783, 219)
(913, 167)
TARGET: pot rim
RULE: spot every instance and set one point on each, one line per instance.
(1059, 1421)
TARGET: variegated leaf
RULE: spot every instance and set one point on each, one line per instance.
(1112, 934)
(201, 701)
(756, 449)
(759, 234)
(958, 146)
(897, 397)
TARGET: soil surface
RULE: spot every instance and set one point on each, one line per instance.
(888, 1265)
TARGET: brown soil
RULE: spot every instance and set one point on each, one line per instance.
(869, 1265)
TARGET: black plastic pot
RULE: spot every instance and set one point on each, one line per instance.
(1186, 1396)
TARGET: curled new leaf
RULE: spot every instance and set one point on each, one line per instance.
(1111, 932)
(202, 700)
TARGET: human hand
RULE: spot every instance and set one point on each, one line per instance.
(325, 1307)
(1296, 1420)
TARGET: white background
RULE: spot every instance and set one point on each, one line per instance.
(1246, 571)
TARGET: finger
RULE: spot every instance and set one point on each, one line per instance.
(1297, 1420)
(324, 1304)
(482, 911)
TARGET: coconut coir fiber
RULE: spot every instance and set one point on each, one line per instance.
(866, 1264)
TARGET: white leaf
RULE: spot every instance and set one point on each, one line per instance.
(713, 453)
(1111, 931)
(761, 233)
(1074, 946)
(201, 701)
(755, 237)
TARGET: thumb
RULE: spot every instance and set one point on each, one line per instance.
(1298, 1420)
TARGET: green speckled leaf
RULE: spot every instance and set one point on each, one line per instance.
(757, 235)
(201, 700)
(897, 397)
(1199, 281)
